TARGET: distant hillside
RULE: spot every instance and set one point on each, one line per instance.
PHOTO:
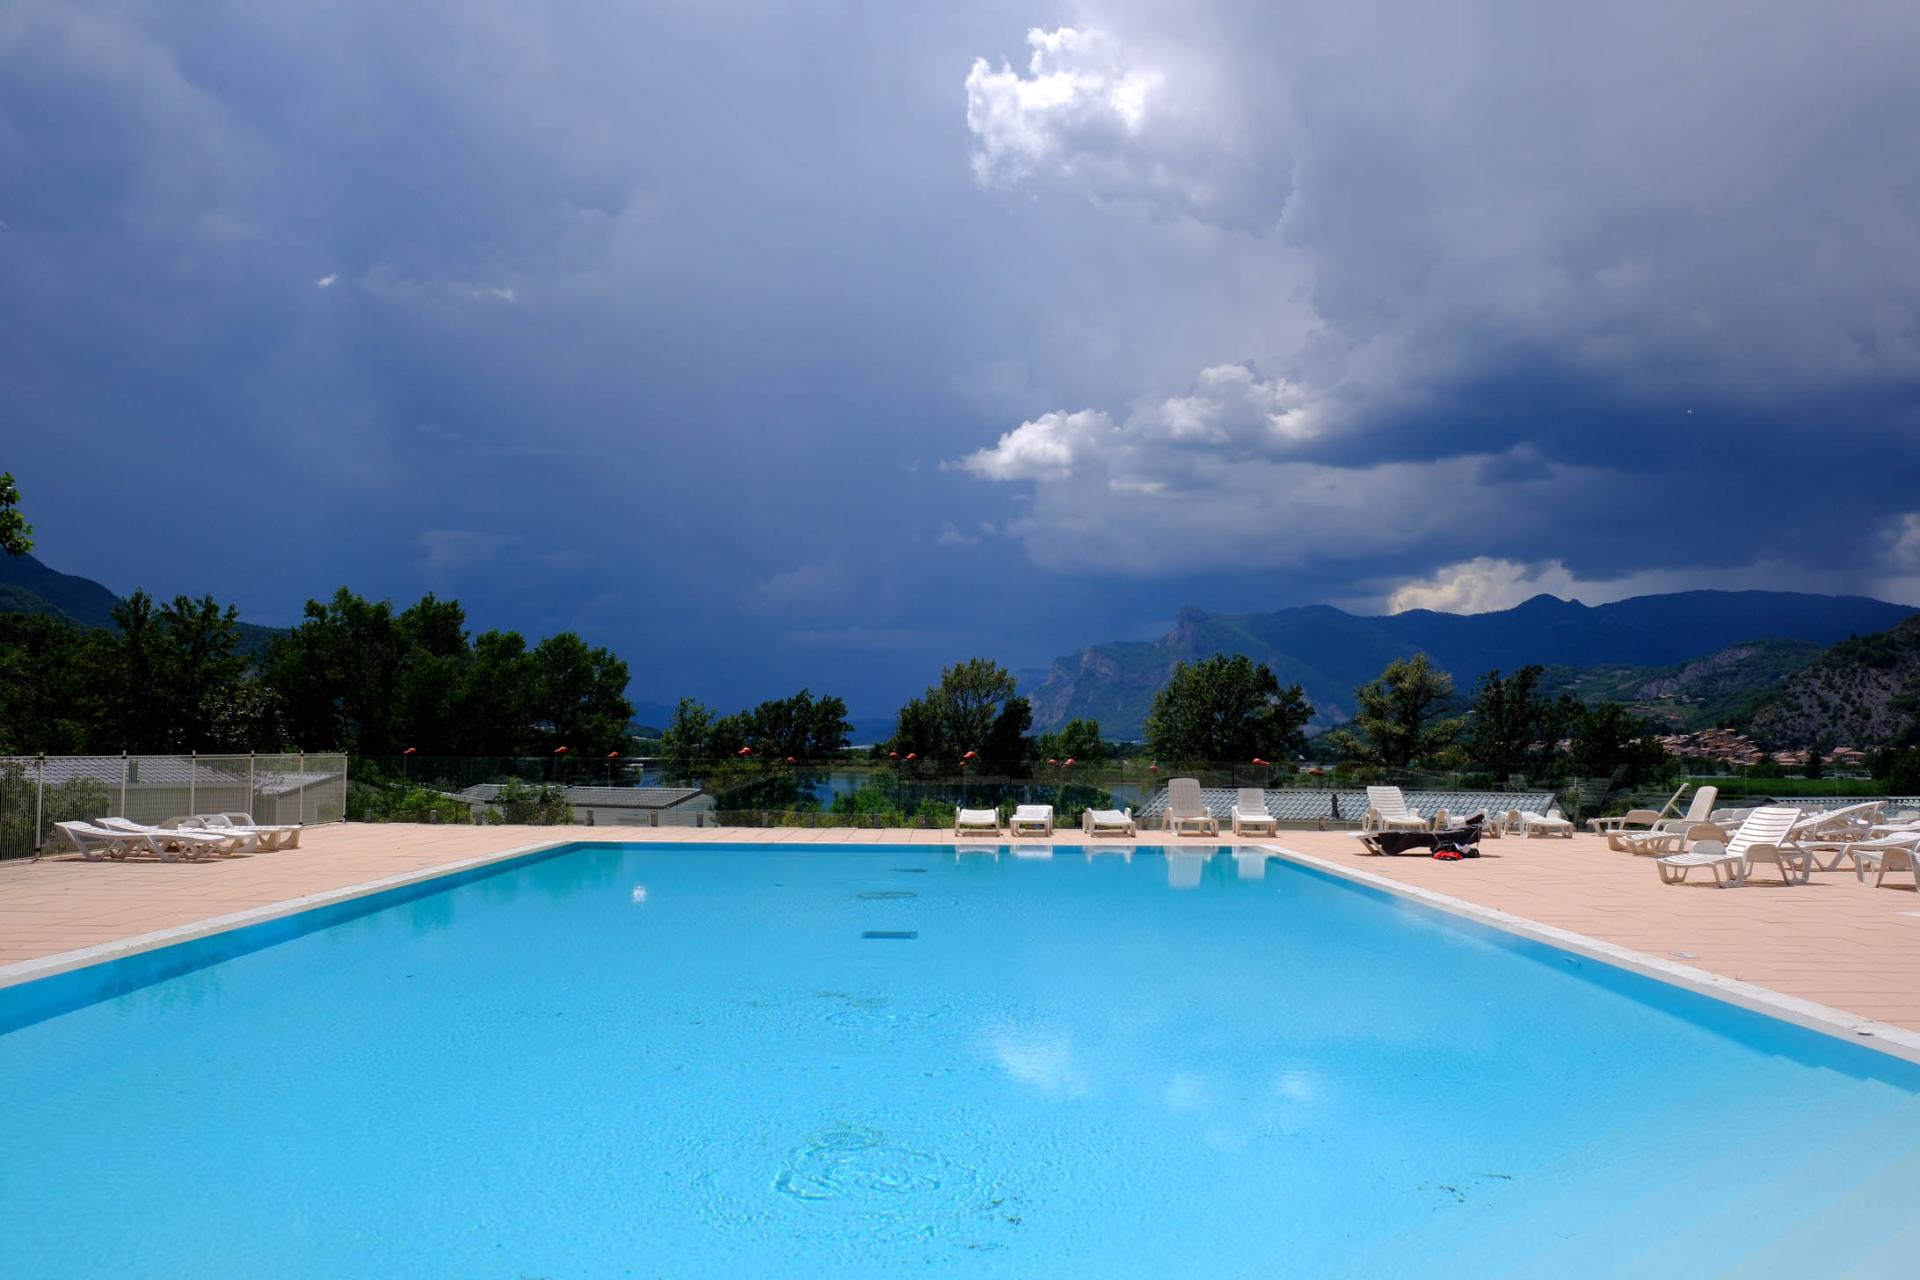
(27, 586)
(1862, 692)
(1722, 688)
(1329, 651)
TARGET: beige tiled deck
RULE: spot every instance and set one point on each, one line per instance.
(1834, 942)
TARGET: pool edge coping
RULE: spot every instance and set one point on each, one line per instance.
(48, 966)
(1868, 1033)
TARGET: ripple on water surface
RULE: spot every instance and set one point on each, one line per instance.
(852, 1177)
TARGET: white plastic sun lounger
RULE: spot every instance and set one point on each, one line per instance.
(1031, 820)
(1640, 819)
(284, 835)
(1622, 836)
(1763, 837)
(977, 821)
(1250, 813)
(1187, 807)
(1875, 854)
(220, 842)
(95, 843)
(1387, 811)
(1108, 822)
(1550, 823)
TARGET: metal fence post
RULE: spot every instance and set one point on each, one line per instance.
(303, 787)
(250, 799)
(123, 784)
(193, 779)
(39, 795)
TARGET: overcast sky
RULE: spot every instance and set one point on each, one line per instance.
(828, 342)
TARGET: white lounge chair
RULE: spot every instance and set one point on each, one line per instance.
(1108, 822)
(1763, 837)
(1879, 854)
(1640, 819)
(1550, 823)
(224, 843)
(1187, 807)
(1031, 820)
(1250, 813)
(1387, 811)
(977, 821)
(1621, 836)
(284, 835)
(94, 843)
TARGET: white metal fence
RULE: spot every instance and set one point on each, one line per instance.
(38, 791)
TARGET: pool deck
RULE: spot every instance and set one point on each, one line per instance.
(1833, 942)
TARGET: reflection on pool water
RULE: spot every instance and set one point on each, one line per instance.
(1012, 1060)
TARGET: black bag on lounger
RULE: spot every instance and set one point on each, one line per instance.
(1463, 839)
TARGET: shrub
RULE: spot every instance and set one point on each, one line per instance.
(542, 806)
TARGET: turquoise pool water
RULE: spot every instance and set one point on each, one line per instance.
(868, 1061)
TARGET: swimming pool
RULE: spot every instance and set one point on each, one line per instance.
(857, 1061)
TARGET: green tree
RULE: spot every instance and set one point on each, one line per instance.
(1076, 740)
(489, 713)
(1401, 717)
(686, 745)
(1225, 708)
(1510, 724)
(338, 672)
(975, 707)
(48, 686)
(579, 695)
(16, 535)
(802, 727)
(164, 675)
(1611, 742)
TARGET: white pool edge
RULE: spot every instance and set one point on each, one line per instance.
(1882, 1037)
(120, 948)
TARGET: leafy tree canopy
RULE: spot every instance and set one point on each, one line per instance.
(975, 707)
(16, 535)
(1512, 727)
(1225, 708)
(1401, 718)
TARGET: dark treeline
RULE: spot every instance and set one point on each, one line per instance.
(355, 675)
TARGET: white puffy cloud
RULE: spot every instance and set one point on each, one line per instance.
(1230, 412)
(1047, 448)
(1112, 120)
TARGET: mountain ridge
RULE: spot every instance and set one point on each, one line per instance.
(29, 586)
(1329, 651)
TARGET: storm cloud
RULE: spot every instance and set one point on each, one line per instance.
(747, 338)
